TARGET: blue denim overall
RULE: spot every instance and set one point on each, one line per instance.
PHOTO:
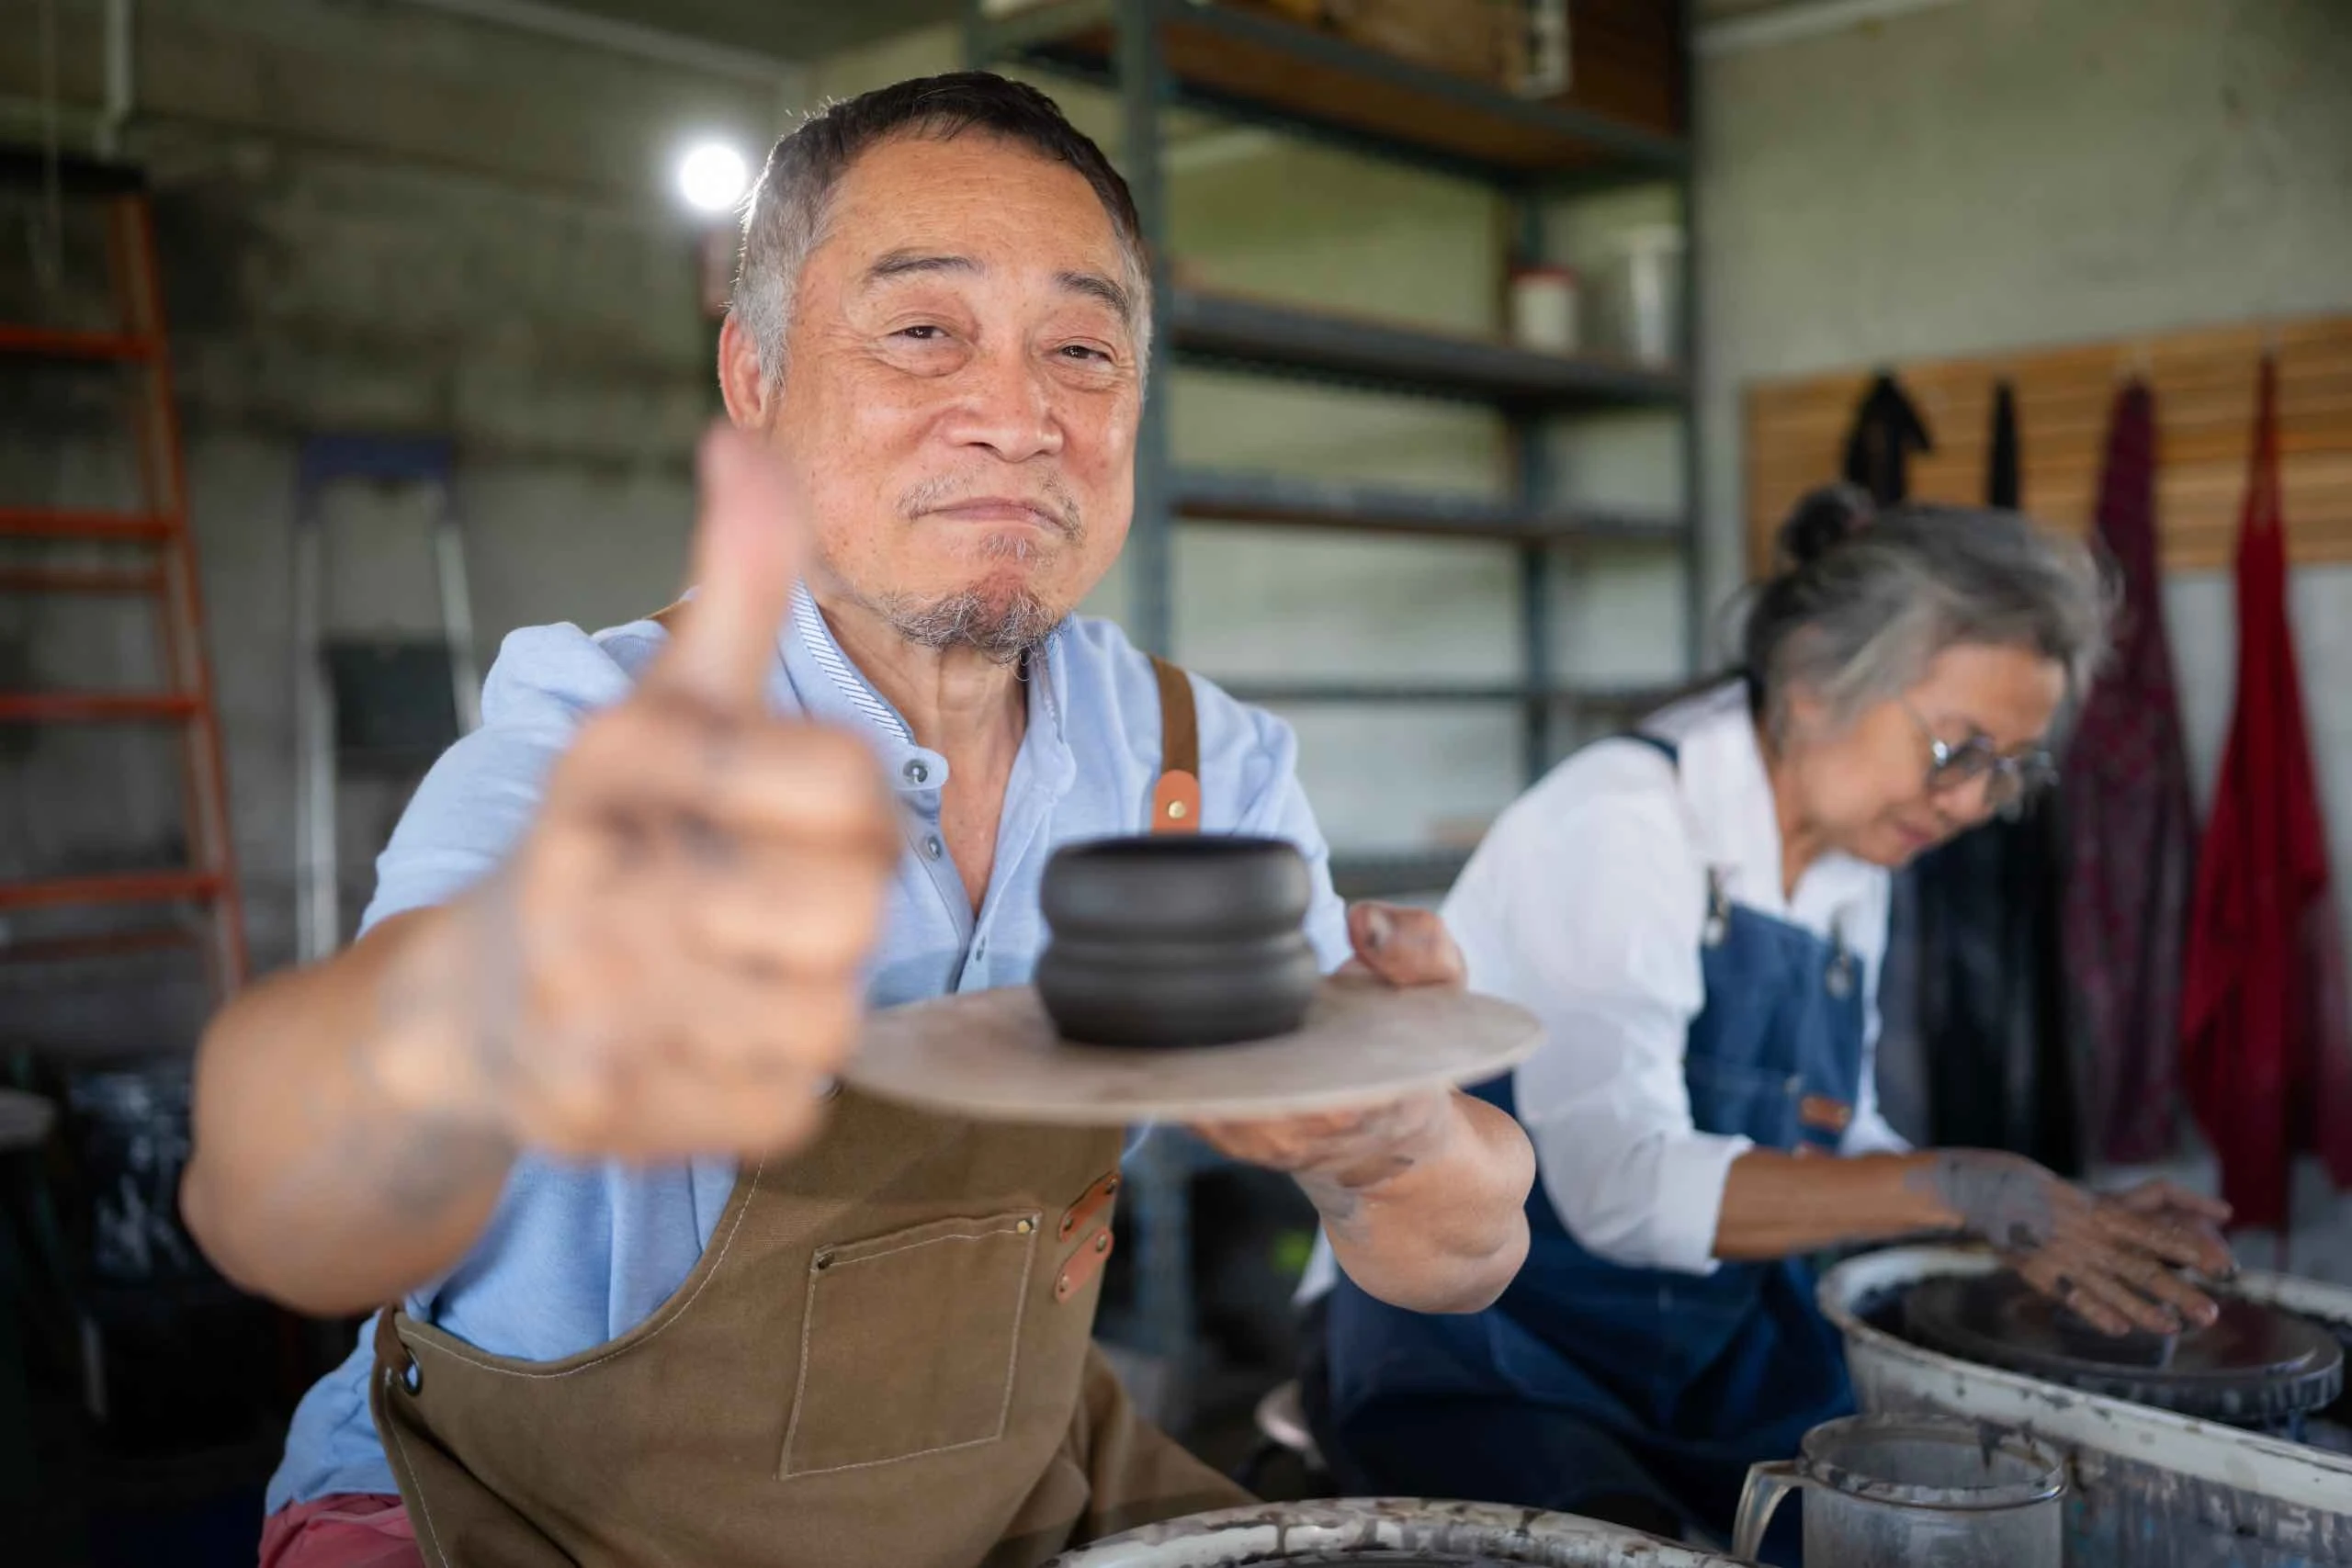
(1591, 1383)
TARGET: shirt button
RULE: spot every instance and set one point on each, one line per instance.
(933, 848)
(916, 772)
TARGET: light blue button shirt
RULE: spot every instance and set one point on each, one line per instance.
(576, 1255)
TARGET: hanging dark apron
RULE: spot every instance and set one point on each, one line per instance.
(1591, 1383)
(1988, 993)
(882, 1360)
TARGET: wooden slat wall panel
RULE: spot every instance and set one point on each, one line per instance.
(2204, 384)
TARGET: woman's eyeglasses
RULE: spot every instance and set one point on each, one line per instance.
(2009, 780)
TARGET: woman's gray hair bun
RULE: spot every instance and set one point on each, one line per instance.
(1822, 520)
(1864, 599)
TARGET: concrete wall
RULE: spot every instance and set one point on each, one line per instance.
(373, 218)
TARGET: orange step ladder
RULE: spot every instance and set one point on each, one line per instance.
(151, 555)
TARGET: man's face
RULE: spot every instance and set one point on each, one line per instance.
(961, 390)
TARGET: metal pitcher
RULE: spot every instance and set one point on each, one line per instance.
(1913, 1489)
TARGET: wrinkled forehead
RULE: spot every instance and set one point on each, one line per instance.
(986, 206)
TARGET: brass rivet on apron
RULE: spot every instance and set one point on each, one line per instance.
(1025, 1226)
(1176, 810)
(821, 1262)
(1111, 1184)
(1083, 1265)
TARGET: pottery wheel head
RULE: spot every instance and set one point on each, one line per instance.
(2255, 1366)
(994, 1057)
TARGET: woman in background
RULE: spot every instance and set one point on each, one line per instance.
(1696, 912)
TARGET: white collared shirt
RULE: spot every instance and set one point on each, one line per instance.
(1586, 903)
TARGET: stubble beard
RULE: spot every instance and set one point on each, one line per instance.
(1002, 619)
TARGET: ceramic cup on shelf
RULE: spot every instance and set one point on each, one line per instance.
(1544, 309)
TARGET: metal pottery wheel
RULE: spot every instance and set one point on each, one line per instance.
(2255, 1366)
(995, 1056)
(1385, 1532)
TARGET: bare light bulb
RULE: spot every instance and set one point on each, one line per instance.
(713, 176)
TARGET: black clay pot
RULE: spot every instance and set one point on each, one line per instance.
(1176, 940)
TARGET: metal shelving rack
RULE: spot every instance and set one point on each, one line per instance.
(1244, 66)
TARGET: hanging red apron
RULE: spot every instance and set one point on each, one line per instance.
(2266, 1056)
(2130, 828)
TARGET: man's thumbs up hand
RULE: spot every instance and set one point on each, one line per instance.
(671, 962)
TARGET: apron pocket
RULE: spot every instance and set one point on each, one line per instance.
(908, 1343)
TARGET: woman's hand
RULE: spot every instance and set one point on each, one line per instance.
(2108, 1258)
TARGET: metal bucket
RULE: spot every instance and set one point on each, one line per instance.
(1388, 1532)
(1912, 1489)
(2149, 1489)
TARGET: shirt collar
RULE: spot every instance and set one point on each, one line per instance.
(833, 688)
(829, 687)
(1047, 672)
(1729, 796)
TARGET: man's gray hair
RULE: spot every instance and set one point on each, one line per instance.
(1864, 601)
(788, 211)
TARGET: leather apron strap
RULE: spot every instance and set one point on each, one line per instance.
(1176, 799)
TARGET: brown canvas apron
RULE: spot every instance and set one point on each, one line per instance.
(883, 1360)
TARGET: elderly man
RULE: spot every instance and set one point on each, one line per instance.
(662, 1293)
